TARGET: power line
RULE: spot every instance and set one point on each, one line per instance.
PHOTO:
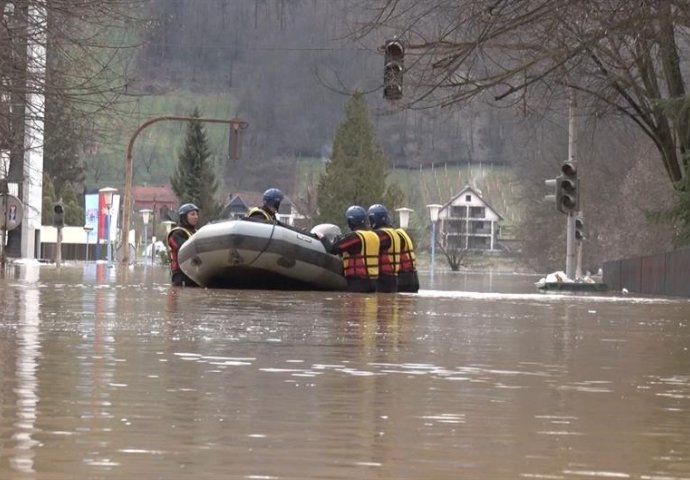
(246, 47)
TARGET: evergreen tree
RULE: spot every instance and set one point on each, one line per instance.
(194, 180)
(356, 174)
(62, 144)
(48, 201)
(74, 213)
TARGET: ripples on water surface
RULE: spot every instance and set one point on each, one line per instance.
(110, 376)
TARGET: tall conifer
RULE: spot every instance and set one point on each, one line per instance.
(194, 180)
(356, 174)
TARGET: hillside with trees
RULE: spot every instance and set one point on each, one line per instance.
(288, 67)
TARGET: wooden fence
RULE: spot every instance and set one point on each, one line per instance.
(661, 274)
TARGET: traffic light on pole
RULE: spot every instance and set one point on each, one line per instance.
(567, 189)
(58, 215)
(579, 228)
(393, 66)
(552, 183)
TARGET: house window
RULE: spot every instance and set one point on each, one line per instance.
(287, 219)
(458, 212)
(477, 212)
(468, 198)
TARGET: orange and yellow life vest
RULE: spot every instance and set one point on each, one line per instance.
(174, 264)
(365, 263)
(408, 259)
(389, 263)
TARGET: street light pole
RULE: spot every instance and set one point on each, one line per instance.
(404, 213)
(236, 124)
(153, 233)
(168, 227)
(108, 193)
(145, 214)
(434, 208)
(109, 247)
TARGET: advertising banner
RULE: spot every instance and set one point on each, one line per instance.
(91, 211)
(102, 220)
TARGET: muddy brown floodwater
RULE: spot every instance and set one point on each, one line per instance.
(107, 375)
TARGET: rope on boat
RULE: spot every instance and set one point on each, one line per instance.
(268, 242)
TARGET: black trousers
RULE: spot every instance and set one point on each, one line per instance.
(408, 282)
(387, 284)
(361, 285)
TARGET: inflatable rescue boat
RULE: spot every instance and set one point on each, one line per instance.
(247, 254)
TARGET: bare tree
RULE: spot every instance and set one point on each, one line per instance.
(624, 55)
(59, 60)
(454, 252)
(74, 53)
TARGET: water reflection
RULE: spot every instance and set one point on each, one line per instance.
(122, 376)
(479, 281)
(26, 305)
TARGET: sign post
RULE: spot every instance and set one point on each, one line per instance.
(11, 215)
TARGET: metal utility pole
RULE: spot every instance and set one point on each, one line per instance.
(572, 158)
(235, 123)
(3, 239)
(59, 223)
(578, 263)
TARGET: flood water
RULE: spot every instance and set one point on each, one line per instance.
(107, 375)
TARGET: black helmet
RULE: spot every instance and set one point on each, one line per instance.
(378, 216)
(185, 209)
(356, 217)
(273, 197)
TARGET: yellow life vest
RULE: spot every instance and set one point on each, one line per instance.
(408, 259)
(390, 263)
(263, 213)
(365, 263)
(174, 264)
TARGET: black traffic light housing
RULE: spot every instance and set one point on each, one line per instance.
(579, 228)
(393, 67)
(567, 189)
(58, 215)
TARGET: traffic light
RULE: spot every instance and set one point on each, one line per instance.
(58, 215)
(567, 189)
(393, 66)
(579, 228)
(552, 183)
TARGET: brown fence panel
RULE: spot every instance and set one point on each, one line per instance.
(653, 274)
(612, 275)
(678, 273)
(661, 274)
(631, 270)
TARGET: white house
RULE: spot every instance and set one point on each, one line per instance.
(468, 222)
